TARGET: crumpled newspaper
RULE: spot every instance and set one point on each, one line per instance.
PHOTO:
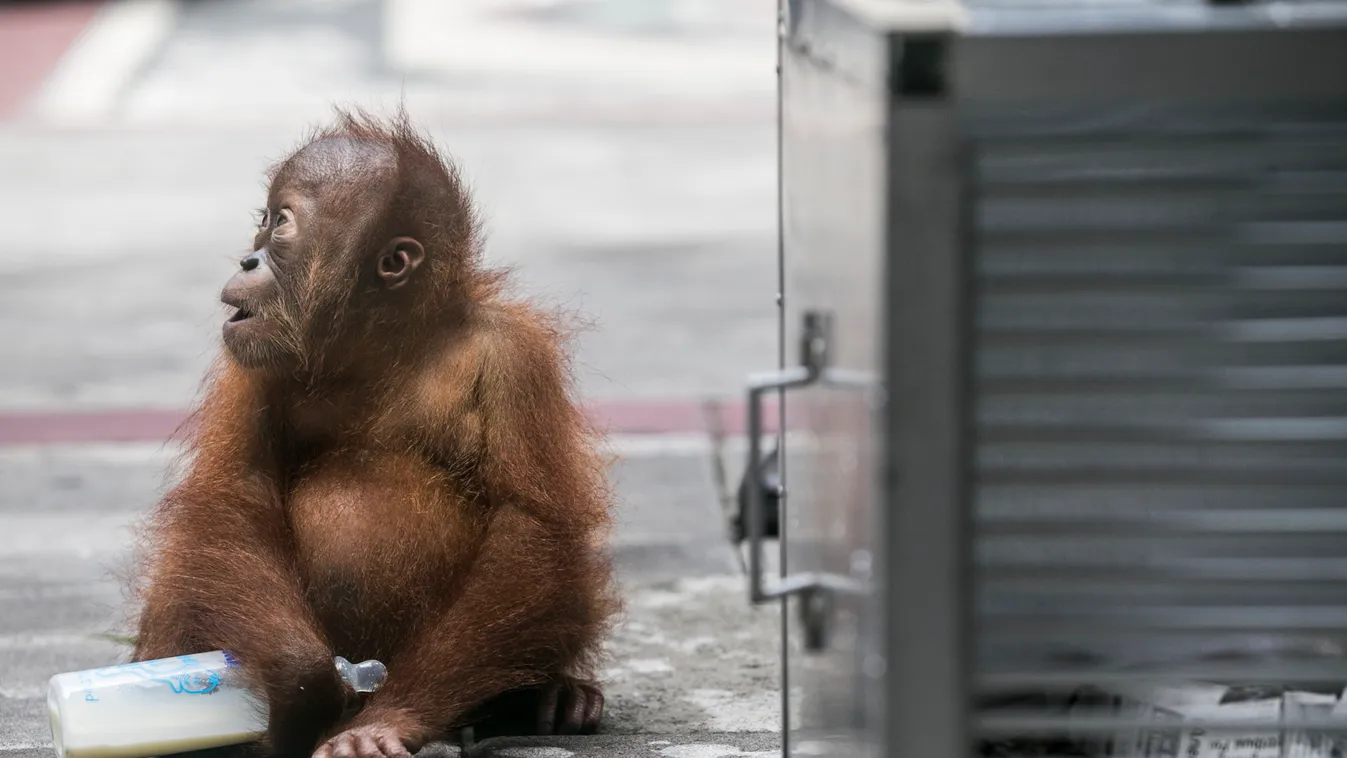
(1168, 708)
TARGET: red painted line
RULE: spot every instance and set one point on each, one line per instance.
(88, 426)
(33, 37)
(146, 425)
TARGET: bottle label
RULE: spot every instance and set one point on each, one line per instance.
(88, 684)
(185, 675)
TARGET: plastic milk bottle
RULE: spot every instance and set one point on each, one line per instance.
(153, 708)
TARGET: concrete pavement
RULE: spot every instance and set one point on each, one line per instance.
(689, 657)
(623, 155)
(117, 243)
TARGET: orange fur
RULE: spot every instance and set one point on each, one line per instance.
(430, 497)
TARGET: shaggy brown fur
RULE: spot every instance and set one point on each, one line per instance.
(400, 475)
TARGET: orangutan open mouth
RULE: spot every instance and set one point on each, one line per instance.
(242, 314)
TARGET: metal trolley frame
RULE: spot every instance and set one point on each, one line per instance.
(1068, 282)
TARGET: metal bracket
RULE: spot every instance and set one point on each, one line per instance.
(815, 588)
(769, 483)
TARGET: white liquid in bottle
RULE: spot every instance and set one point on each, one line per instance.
(171, 705)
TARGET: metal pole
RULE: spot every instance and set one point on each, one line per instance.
(781, 396)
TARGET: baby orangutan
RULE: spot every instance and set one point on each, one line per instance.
(387, 464)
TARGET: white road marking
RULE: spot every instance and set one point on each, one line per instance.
(88, 591)
(710, 61)
(637, 446)
(34, 640)
(493, 36)
(94, 74)
(116, 453)
(734, 447)
(84, 535)
(657, 445)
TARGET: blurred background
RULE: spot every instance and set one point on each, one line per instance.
(623, 155)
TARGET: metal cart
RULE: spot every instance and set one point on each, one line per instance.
(1064, 316)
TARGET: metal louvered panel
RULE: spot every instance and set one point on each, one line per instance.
(1160, 373)
(1097, 254)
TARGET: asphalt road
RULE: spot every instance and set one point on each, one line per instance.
(624, 162)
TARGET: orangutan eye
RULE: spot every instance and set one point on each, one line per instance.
(285, 217)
